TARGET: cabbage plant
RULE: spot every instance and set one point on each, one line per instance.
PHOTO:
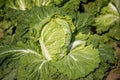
(58, 39)
(58, 53)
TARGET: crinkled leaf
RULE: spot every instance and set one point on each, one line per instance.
(90, 7)
(102, 71)
(60, 76)
(89, 77)
(79, 62)
(114, 32)
(107, 53)
(96, 40)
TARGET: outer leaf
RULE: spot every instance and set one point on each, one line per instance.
(90, 7)
(83, 21)
(107, 59)
(8, 68)
(9, 57)
(74, 3)
(89, 77)
(96, 40)
(101, 3)
(15, 28)
(99, 74)
(102, 71)
(79, 62)
(114, 32)
(107, 53)
(33, 67)
(55, 38)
